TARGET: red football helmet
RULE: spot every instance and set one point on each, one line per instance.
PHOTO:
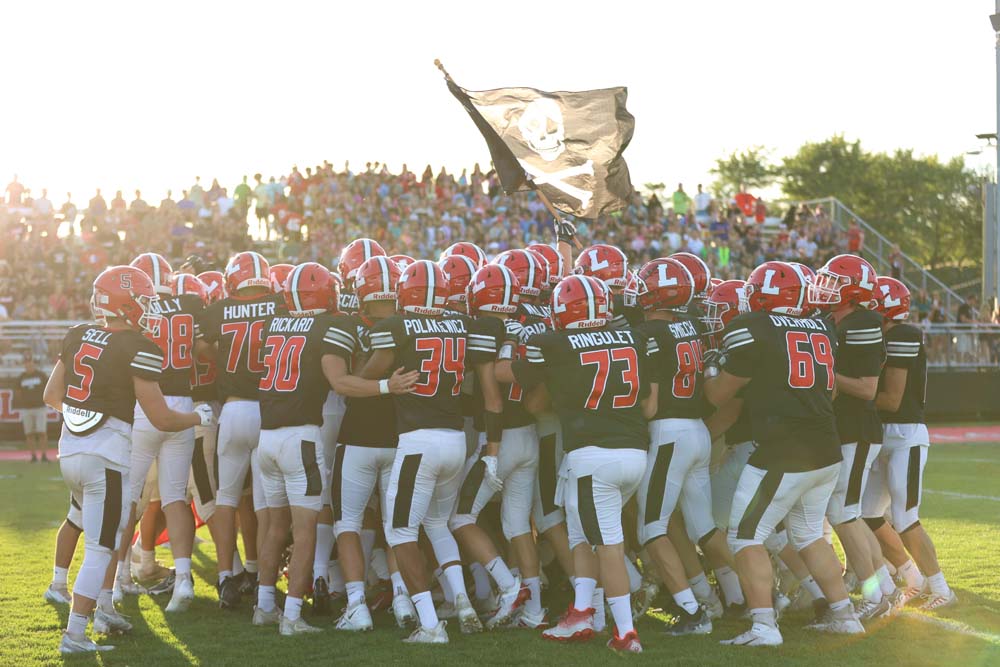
(580, 302)
(215, 284)
(356, 253)
(846, 279)
(555, 260)
(700, 273)
(458, 271)
(893, 298)
(632, 287)
(310, 290)
(185, 283)
(337, 279)
(776, 287)
(279, 273)
(713, 282)
(403, 260)
(376, 280)
(531, 274)
(724, 302)
(470, 250)
(806, 271)
(493, 289)
(665, 284)
(125, 292)
(604, 262)
(247, 269)
(157, 268)
(422, 289)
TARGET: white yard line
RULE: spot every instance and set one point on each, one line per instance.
(953, 626)
(962, 496)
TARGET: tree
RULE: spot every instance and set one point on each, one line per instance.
(750, 169)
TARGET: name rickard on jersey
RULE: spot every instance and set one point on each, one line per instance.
(426, 326)
(290, 325)
(247, 311)
(596, 338)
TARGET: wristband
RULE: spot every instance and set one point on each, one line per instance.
(506, 351)
(383, 386)
(494, 425)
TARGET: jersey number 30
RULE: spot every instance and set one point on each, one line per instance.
(283, 362)
(604, 360)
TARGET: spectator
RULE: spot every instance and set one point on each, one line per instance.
(97, 207)
(14, 192)
(681, 201)
(138, 207)
(922, 304)
(242, 195)
(702, 201)
(68, 210)
(28, 401)
(759, 211)
(745, 203)
(855, 238)
(197, 193)
(966, 344)
(43, 207)
(896, 262)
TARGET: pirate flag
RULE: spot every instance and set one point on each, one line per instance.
(568, 145)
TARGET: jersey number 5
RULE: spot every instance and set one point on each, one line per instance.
(447, 354)
(604, 359)
(85, 370)
(804, 352)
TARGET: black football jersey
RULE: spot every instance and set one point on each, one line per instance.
(597, 380)
(860, 353)
(99, 366)
(369, 421)
(349, 303)
(237, 325)
(439, 348)
(175, 337)
(676, 363)
(293, 388)
(741, 430)
(904, 347)
(790, 363)
(625, 313)
(203, 378)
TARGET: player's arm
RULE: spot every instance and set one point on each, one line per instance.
(902, 347)
(891, 395)
(565, 235)
(492, 406)
(728, 372)
(723, 387)
(864, 388)
(724, 417)
(868, 348)
(55, 388)
(336, 373)
(160, 415)
(537, 400)
(651, 402)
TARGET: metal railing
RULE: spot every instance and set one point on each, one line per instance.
(971, 346)
(39, 338)
(877, 248)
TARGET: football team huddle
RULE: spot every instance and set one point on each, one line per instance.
(421, 438)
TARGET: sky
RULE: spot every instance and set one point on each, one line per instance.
(149, 95)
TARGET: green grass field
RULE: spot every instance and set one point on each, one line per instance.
(961, 511)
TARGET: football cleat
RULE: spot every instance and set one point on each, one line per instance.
(247, 582)
(467, 617)
(287, 628)
(435, 635)
(486, 607)
(446, 610)
(321, 596)
(110, 622)
(229, 593)
(58, 595)
(508, 602)
(153, 572)
(759, 634)
(403, 610)
(600, 616)
(261, 617)
(356, 618)
(910, 595)
(121, 589)
(781, 603)
(687, 623)
(182, 596)
(935, 601)
(736, 612)
(843, 621)
(381, 597)
(713, 606)
(868, 610)
(627, 644)
(851, 582)
(576, 625)
(81, 644)
(165, 585)
(524, 620)
(643, 598)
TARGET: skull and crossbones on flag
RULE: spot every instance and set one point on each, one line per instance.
(568, 145)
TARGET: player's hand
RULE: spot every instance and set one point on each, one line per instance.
(492, 480)
(565, 230)
(402, 382)
(513, 330)
(205, 413)
(712, 358)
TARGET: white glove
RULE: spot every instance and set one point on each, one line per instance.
(205, 413)
(492, 480)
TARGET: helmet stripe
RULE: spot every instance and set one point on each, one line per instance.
(293, 288)
(803, 283)
(366, 245)
(256, 265)
(591, 298)
(430, 287)
(506, 286)
(384, 265)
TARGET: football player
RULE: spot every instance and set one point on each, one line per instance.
(235, 325)
(844, 287)
(609, 265)
(596, 377)
(103, 369)
(466, 249)
(786, 364)
(898, 482)
(426, 472)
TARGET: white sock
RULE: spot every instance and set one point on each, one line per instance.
(534, 603)
(456, 580)
(871, 590)
(251, 566)
(702, 590)
(355, 592)
(885, 580)
(584, 589)
(621, 610)
(104, 600)
(367, 544)
(336, 577)
(124, 573)
(938, 585)
(449, 595)
(598, 604)
(686, 601)
(425, 610)
(324, 546)
(398, 585)
(182, 566)
(380, 563)
(729, 582)
(265, 597)
(60, 575)
(911, 574)
(225, 574)
(293, 608)
(515, 571)
(840, 604)
(147, 559)
(634, 578)
(498, 570)
(812, 587)
(237, 563)
(482, 580)
(77, 624)
(765, 616)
